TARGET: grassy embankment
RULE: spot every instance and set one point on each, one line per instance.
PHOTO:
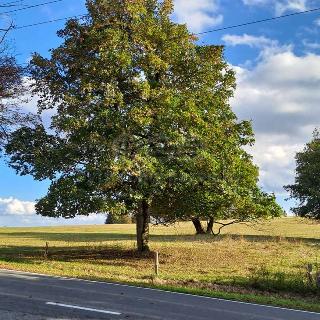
(265, 263)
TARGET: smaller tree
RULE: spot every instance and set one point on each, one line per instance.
(114, 218)
(306, 188)
(11, 89)
(222, 192)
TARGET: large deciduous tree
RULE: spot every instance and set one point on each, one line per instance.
(306, 188)
(142, 120)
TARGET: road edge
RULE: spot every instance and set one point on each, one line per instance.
(239, 298)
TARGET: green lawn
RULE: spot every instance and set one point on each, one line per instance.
(265, 263)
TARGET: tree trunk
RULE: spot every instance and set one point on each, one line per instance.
(198, 226)
(210, 226)
(142, 223)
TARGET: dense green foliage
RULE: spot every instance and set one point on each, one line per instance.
(306, 188)
(118, 219)
(143, 122)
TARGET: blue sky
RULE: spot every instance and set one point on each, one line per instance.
(278, 76)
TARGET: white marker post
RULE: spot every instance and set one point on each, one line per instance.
(156, 262)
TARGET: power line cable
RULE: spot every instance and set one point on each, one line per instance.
(257, 21)
(30, 7)
(200, 33)
(11, 4)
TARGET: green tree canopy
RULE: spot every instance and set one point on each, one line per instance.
(143, 119)
(223, 192)
(306, 188)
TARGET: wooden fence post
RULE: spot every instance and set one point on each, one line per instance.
(46, 250)
(156, 262)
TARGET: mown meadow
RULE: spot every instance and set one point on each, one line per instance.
(263, 262)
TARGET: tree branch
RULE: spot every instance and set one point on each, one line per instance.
(222, 225)
(6, 31)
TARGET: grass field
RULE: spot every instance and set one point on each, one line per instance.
(264, 263)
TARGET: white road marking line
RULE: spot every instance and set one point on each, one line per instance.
(21, 276)
(82, 308)
(157, 290)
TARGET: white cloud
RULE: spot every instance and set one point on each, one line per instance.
(317, 22)
(14, 206)
(280, 6)
(291, 6)
(198, 15)
(268, 47)
(281, 95)
(249, 40)
(311, 45)
(15, 212)
(255, 2)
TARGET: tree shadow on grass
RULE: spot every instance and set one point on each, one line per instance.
(266, 238)
(115, 256)
(264, 282)
(70, 237)
(87, 237)
(20, 254)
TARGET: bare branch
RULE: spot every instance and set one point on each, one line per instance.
(5, 32)
(223, 225)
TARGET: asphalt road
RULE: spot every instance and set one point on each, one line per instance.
(29, 296)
